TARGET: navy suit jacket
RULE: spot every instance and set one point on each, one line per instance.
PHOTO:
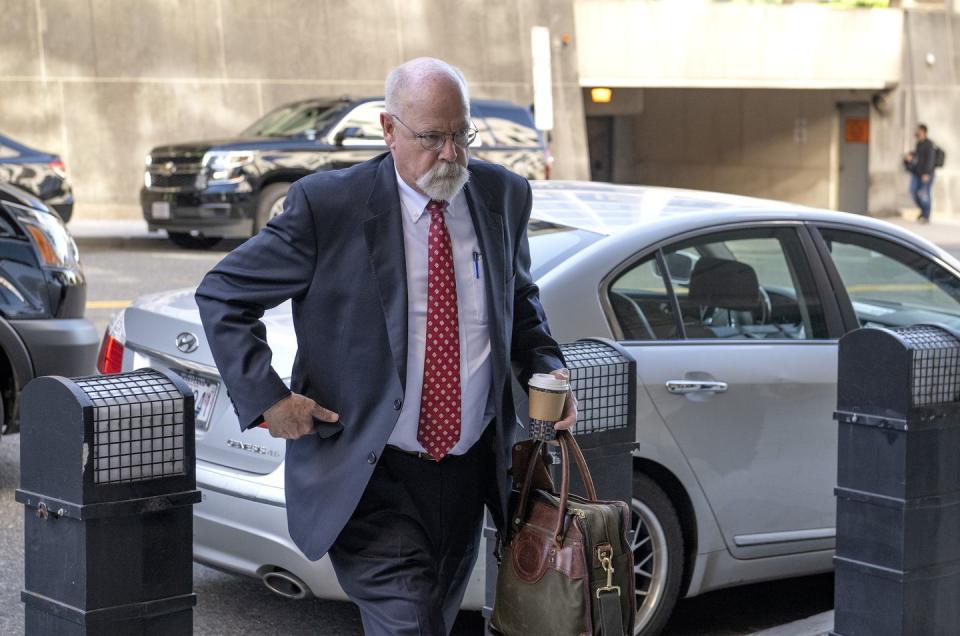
(337, 252)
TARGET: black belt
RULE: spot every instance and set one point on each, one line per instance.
(418, 454)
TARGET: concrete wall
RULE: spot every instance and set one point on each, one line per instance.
(929, 92)
(102, 81)
(736, 45)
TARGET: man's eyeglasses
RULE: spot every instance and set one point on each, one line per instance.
(433, 139)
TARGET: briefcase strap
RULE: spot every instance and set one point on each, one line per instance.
(568, 446)
(611, 620)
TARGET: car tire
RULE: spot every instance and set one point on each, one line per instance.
(270, 203)
(658, 555)
(191, 242)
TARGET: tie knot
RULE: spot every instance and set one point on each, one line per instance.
(436, 207)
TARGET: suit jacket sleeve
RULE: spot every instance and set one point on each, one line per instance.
(533, 349)
(275, 265)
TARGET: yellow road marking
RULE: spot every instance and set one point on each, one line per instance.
(892, 287)
(107, 304)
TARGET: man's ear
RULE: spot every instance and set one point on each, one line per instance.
(386, 123)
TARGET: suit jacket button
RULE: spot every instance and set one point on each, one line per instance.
(397, 404)
(372, 458)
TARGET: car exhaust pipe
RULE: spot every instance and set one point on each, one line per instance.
(286, 585)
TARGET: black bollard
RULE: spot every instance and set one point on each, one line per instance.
(898, 483)
(107, 475)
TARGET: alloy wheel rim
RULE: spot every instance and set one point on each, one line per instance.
(650, 565)
(277, 207)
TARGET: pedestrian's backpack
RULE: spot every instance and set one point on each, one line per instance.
(939, 156)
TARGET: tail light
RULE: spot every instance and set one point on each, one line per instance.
(59, 167)
(110, 359)
(548, 167)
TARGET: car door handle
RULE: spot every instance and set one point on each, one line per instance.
(683, 387)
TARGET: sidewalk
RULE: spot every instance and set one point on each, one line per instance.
(944, 232)
(814, 626)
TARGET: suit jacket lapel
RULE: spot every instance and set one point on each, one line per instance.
(384, 235)
(488, 225)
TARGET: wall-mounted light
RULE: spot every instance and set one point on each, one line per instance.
(601, 95)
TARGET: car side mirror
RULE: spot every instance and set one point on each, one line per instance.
(350, 132)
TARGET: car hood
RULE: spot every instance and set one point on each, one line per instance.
(199, 148)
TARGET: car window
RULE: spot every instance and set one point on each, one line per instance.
(746, 284)
(891, 285)
(505, 125)
(6, 152)
(641, 305)
(366, 117)
(291, 120)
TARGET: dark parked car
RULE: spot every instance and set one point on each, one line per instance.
(40, 173)
(204, 191)
(43, 295)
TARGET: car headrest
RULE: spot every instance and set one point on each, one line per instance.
(718, 282)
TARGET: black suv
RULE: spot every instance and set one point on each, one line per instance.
(42, 174)
(202, 192)
(43, 295)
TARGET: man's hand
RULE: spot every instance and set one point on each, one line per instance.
(925, 178)
(292, 417)
(569, 416)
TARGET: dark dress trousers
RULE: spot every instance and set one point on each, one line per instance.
(337, 252)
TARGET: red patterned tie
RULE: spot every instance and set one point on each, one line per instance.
(439, 428)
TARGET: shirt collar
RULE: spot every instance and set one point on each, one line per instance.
(414, 204)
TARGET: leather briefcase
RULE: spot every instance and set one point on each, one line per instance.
(566, 567)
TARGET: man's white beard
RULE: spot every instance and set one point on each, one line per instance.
(444, 180)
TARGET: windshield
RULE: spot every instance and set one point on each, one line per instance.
(551, 244)
(292, 120)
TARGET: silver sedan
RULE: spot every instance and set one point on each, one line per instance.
(732, 308)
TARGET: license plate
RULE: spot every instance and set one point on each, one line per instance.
(204, 396)
(160, 209)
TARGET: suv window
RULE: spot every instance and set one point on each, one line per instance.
(366, 117)
(891, 285)
(743, 284)
(291, 120)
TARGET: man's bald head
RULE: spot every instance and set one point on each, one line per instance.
(421, 78)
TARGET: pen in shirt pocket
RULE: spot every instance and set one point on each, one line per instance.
(476, 265)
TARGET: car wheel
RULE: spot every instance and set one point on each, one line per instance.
(657, 553)
(270, 203)
(191, 242)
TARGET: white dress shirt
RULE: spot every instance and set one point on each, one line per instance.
(475, 373)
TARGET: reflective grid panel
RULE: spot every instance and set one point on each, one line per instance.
(936, 364)
(138, 427)
(600, 378)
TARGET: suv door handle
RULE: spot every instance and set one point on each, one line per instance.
(683, 387)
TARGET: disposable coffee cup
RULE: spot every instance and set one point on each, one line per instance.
(547, 395)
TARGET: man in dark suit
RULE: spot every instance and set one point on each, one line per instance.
(412, 298)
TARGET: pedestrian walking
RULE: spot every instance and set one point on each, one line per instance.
(921, 164)
(412, 299)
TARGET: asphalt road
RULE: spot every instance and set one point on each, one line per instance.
(120, 270)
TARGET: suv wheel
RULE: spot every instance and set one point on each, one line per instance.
(191, 242)
(657, 554)
(270, 203)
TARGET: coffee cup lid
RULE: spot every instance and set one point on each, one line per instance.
(548, 382)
